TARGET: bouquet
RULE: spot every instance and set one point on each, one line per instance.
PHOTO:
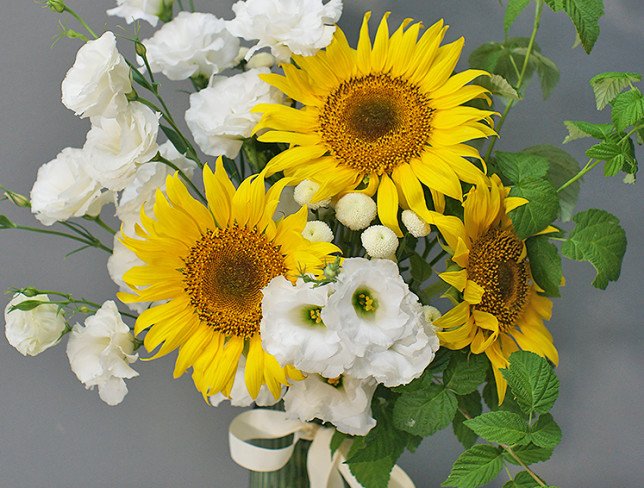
(335, 240)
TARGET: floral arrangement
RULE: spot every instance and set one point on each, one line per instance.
(293, 247)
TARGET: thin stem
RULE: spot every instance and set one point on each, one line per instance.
(589, 165)
(102, 224)
(438, 257)
(95, 243)
(81, 301)
(180, 2)
(509, 450)
(192, 5)
(160, 159)
(631, 132)
(82, 22)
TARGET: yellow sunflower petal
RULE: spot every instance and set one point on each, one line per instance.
(388, 204)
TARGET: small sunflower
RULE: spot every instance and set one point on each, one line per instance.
(501, 310)
(386, 118)
(209, 265)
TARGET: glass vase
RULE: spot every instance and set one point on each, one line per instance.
(292, 475)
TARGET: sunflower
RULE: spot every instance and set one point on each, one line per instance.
(502, 310)
(386, 118)
(208, 266)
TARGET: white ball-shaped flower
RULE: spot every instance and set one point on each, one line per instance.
(63, 189)
(300, 27)
(379, 241)
(317, 231)
(193, 43)
(115, 146)
(100, 353)
(356, 210)
(343, 401)
(431, 314)
(33, 331)
(239, 394)
(220, 117)
(97, 83)
(148, 10)
(304, 193)
(261, 60)
(416, 226)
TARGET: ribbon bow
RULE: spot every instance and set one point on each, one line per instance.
(324, 470)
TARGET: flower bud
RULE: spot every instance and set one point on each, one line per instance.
(241, 56)
(56, 5)
(379, 241)
(317, 231)
(30, 292)
(140, 49)
(431, 313)
(356, 210)
(18, 199)
(260, 60)
(416, 226)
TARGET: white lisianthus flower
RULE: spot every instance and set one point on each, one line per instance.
(317, 231)
(416, 226)
(286, 26)
(343, 401)
(148, 10)
(356, 210)
(115, 146)
(63, 189)
(97, 83)
(239, 395)
(33, 331)
(119, 263)
(380, 321)
(304, 193)
(193, 43)
(292, 329)
(100, 353)
(220, 116)
(379, 242)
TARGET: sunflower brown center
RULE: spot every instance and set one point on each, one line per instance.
(375, 123)
(495, 264)
(224, 275)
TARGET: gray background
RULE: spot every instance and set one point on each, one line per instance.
(53, 433)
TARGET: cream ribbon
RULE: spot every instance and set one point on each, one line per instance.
(324, 470)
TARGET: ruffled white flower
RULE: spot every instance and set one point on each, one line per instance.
(193, 43)
(100, 353)
(115, 146)
(356, 210)
(97, 83)
(416, 226)
(148, 10)
(119, 263)
(379, 241)
(380, 321)
(347, 405)
(317, 231)
(220, 117)
(33, 331)
(286, 26)
(239, 395)
(63, 189)
(292, 329)
(304, 193)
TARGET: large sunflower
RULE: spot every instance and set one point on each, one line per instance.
(208, 265)
(387, 118)
(501, 310)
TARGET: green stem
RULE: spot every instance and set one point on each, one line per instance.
(192, 5)
(101, 223)
(160, 159)
(589, 165)
(631, 132)
(69, 300)
(82, 22)
(438, 257)
(97, 244)
(509, 450)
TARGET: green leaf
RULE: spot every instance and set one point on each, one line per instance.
(522, 480)
(504, 59)
(561, 168)
(501, 427)
(27, 305)
(532, 381)
(139, 79)
(545, 264)
(521, 166)
(546, 433)
(512, 11)
(599, 239)
(465, 373)
(337, 440)
(548, 73)
(471, 405)
(604, 151)
(585, 16)
(425, 411)
(628, 109)
(607, 86)
(578, 129)
(175, 139)
(529, 454)
(5, 223)
(420, 269)
(475, 467)
(541, 210)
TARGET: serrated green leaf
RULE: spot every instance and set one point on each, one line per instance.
(512, 11)
(520, 166)
(337, 440)
(604, 151)
(529, 454)
(522, 480)
(501, 427)
(499, 87)
(548, 73)
(465, 372)
(471, 405)
(545, 264)
(420, 269)
(464, 434)
(545, 432)
(599, 239)
(628, 109)
(425, 411)
(475, 467)
(532, 382)
(578, 129)
(374, 474)
(585, 15)
(540, 211)
(504, 59)
(607, 86)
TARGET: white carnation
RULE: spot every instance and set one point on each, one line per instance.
(356, 210)
(416, 226)
(317, 231)
(100, 353)
(115, 146)
(220, 116)
(63, 189)
(192, 44)
(304, 192)
(380, 321)
(346, 405)
(33, 331)
(379, 241)
(97, 83)
(239, 395)
(286, 26)
(148, 10)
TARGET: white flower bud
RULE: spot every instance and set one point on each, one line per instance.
(241, 55)
(356, 210)
(379, 241)
(416, 226)
(261, 60)
(317, 231)
(304, 193)
(431, 313)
